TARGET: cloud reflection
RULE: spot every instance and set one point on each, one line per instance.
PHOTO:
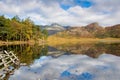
(71, 67)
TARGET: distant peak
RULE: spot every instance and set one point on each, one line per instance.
(55, 24)
(94, 24)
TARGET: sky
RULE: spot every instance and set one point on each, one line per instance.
(64, 12)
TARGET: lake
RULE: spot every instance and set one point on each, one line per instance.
(65, 62)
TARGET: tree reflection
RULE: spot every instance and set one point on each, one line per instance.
(27, 53)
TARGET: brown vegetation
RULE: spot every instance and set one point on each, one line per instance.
(93, 30)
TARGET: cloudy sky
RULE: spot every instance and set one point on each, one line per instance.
(64, 12)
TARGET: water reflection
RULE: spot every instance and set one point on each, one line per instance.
(72, 67)
(94, 62)
(92, 50)
(27, 53)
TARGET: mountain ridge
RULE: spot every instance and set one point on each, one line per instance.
(54, 28)
(93, 30)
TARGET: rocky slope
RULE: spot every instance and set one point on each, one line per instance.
(53, 28)
(92, 30)
(113, 31)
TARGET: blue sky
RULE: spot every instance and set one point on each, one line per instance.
(81, 3)
(64, 12)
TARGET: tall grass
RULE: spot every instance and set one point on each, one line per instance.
(53, 40)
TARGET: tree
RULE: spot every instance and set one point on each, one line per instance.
(45, 34)
(21, 30)
(16, 18)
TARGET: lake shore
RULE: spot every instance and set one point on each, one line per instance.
(59, 41)
(30, 42)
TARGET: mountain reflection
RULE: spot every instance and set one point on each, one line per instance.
(42, 60)
(92, 50)
(27, 53)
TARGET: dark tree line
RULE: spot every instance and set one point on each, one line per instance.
(21, 30)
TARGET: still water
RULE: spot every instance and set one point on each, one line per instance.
(65, 62)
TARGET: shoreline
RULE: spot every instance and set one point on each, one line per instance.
(59, 41)
(30, 42)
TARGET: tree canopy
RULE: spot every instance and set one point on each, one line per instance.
(21, 30)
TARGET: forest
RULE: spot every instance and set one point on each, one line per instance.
(16, 29)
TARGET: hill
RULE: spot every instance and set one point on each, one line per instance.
(113, 31)
(53, 28)
(93, 30)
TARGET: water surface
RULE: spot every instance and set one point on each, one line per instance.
(66, 62)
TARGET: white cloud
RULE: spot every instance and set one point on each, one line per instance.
(49, 11)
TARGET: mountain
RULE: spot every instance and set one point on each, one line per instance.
(113, 31)
(76, 32)
(53, 28)
(91, 30)
(93, 27)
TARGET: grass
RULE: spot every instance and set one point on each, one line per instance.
(30, 42)
(53, 40)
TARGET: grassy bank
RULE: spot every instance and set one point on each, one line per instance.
(30, 42)
(52, 40)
